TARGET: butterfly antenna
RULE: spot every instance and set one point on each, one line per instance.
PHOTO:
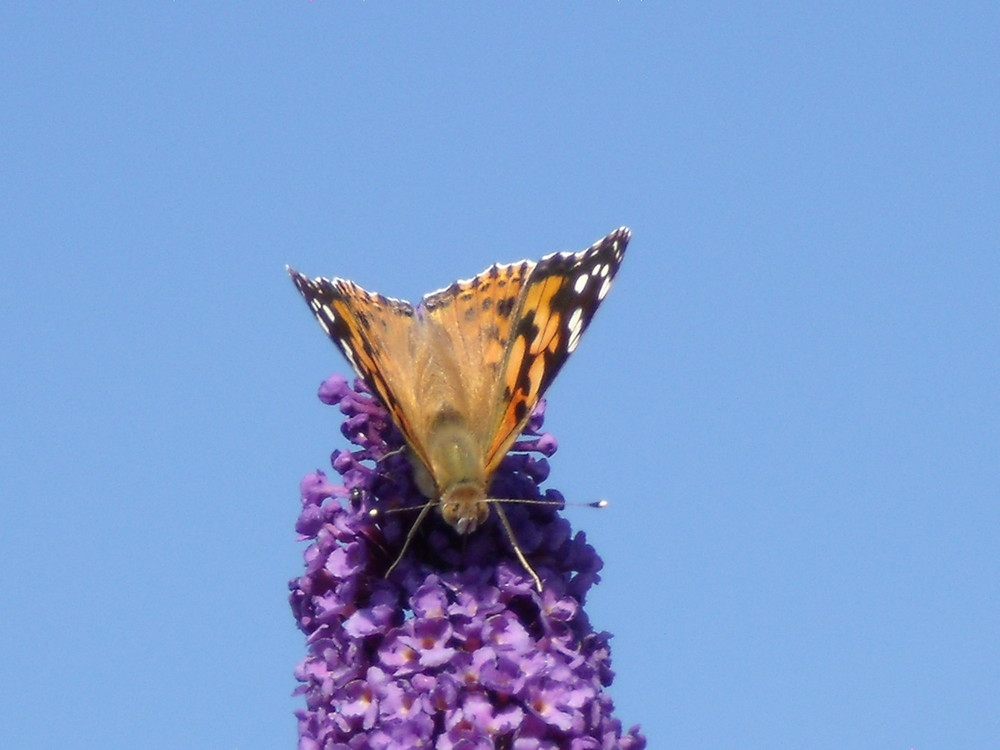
(376, 513)
(554, 503)
(517, 548)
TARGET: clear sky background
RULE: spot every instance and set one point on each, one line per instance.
(790, 396)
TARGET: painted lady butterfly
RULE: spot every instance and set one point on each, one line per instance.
(461, 372)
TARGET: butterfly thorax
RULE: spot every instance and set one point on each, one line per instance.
(458, 472)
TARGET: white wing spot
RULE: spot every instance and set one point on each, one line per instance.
(581, 283)
(350, 356)
(604, 289)
(575, 329)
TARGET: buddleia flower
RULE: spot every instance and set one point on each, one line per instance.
(456, 648)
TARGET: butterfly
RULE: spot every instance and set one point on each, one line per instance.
(461, 372)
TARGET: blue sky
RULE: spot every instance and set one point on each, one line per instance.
(790, 396)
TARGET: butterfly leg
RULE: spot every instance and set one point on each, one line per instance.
(517, 549)
(396, 452)
(409, 537)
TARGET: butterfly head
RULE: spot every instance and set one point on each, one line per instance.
(464, 507)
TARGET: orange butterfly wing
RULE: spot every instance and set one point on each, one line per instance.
(555, 306)
(484, 349)
(376, 335)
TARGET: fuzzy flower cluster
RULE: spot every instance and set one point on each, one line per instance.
(456, 648)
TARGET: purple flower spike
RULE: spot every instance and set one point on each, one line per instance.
(456, 649)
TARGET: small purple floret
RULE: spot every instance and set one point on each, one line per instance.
(456, 649)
